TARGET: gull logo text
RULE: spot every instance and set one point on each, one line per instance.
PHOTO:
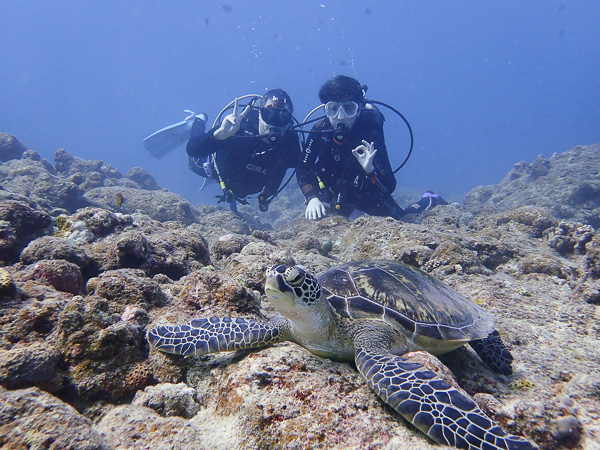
(255, 168)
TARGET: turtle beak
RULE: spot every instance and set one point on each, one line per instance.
(270, 285)
(275, 282)
(278, 292)
(275, 278)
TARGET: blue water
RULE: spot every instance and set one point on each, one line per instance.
(484, 84)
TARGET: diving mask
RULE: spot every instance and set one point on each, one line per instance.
(277, 117)
(348, 110)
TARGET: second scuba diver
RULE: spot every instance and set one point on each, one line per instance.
(345, 161)
(252, 150)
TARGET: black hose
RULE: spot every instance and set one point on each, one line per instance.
(410, 132)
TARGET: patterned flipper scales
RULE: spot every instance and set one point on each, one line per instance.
(216, 334)
(431, 404)
(493, 353)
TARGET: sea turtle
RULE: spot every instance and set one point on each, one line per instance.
(371, 313)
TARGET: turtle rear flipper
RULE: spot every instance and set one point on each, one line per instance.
(217, 334)
(494, 353)
(431, 404)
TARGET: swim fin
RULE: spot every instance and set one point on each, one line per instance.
(167, 139)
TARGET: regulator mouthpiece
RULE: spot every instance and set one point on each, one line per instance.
(340, 133)
(275, 135)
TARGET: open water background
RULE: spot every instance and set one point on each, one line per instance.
(484, 84)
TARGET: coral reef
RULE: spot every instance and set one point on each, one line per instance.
(91, 258)
(10, 147)
(19, 223)
(31, 418)
(566, 184)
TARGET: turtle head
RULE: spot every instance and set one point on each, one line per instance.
(293, 291)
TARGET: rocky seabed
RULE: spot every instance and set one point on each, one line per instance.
(90, 258)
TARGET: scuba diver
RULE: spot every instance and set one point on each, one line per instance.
(249, 152)
(345, 162)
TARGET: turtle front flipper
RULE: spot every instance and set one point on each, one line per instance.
(431, 404)
(494, 353)
(217, 334)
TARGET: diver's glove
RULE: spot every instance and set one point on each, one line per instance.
(364, 154)
(315, 209)
(231, 123)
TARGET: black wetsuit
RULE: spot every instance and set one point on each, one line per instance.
(247, 164)
(347, 185)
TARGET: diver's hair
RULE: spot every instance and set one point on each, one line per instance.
(279, 97)
(342, 89)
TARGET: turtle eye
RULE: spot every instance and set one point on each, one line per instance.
(279, 268)
(294, 276)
